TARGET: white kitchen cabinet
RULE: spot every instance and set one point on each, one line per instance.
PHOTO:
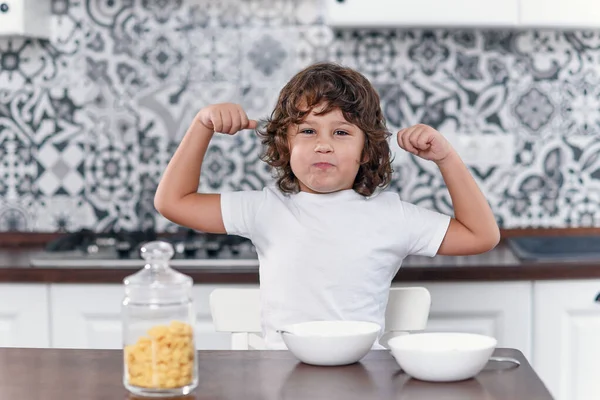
(89, 316)
(395, 13)
(463, 13)
(566, 341)
(24, 315)
(86, 316)
(31, 18)
(560, 13)
(499, 309)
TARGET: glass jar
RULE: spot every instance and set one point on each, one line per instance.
(159, 353)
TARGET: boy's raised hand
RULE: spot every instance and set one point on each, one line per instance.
(226, 118)
(425, 142)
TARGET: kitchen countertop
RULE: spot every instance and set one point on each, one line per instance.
(499, 264)
(69, 374)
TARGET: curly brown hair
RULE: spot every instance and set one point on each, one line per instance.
(338, 87)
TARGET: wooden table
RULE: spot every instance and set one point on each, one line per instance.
(65, 374)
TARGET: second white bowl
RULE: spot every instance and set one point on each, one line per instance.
(442, 356)
(330, 342)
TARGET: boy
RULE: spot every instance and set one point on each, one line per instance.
(329, 240)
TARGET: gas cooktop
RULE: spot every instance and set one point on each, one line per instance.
(193, 249)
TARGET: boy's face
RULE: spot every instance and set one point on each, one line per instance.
(325, 151)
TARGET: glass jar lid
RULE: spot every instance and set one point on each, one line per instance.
(157, 282)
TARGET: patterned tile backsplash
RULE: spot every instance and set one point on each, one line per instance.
(89, 120)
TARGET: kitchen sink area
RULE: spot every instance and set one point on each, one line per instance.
(579, 248)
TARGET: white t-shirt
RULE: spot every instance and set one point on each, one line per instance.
(328, 256)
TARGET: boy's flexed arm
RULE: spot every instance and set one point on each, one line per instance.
(176, 198)
(473, 229)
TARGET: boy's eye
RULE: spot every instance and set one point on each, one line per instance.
(312, 131)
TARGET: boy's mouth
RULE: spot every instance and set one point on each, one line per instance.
(323, 165)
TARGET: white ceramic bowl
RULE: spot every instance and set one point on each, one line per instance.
(442, 356)
(330, 342)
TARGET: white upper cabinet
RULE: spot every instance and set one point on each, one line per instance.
(560, 13)
(31, 18)
(462, 13)
(394, 13)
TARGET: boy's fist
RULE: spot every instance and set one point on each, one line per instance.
(425, 142)
(226, 118)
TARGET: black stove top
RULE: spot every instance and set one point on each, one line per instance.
(124, 245)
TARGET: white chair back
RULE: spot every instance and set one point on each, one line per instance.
(237, 311)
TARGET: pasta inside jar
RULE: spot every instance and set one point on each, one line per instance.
(162, 359)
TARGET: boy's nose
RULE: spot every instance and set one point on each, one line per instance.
(323, 147)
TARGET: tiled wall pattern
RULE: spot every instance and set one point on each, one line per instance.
(89, 119)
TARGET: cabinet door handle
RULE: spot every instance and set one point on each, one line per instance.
(598, 298)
